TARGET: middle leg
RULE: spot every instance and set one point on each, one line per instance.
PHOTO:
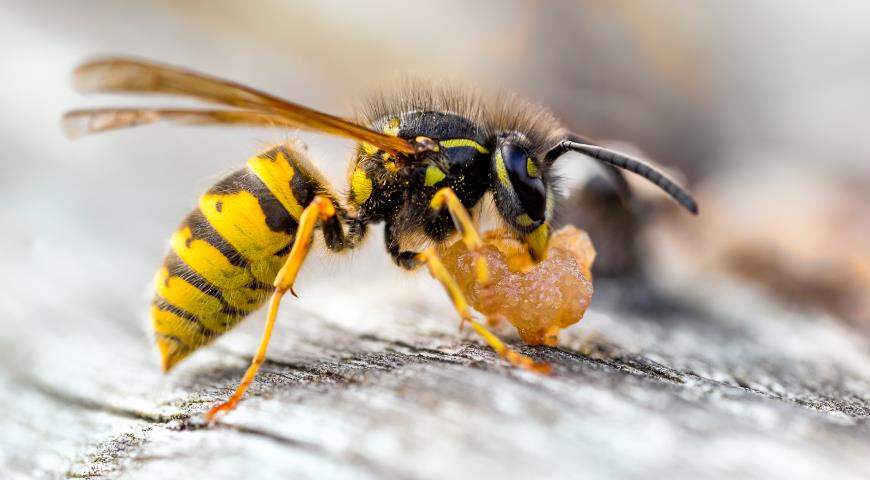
(440, 273)
(446, 198)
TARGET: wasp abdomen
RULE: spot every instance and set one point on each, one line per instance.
(224, 257)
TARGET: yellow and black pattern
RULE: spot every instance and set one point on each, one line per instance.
(224, 257)
(425, 158)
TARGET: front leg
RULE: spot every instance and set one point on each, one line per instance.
(406, 259)
(440, 273)
(446, 198)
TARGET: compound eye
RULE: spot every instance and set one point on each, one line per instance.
(523, 174)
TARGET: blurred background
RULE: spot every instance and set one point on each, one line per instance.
(760, 108)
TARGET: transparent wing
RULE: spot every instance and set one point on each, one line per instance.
(78, 123)
(122, 75)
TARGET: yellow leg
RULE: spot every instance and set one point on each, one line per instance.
(437, 269)
(462, 220)
(319, 208)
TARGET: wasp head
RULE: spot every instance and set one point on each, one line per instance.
(523, 195)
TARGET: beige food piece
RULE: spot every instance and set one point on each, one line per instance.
(539, 300)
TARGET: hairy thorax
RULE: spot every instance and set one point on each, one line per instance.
(398, 190)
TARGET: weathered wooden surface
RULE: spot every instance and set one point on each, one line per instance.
(368, 376)
(366, 387)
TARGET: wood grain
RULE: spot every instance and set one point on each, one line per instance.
(364, 388)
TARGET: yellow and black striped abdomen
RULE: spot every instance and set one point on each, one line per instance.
(225, 256)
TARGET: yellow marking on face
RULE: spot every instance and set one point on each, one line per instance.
(245, 299)
(525, 220)
(434, 175)
(265, 270)
(531, 168)
(463, 142)
(538, 240)
(238, 218)
(181, 294)
(501, 171)
(361, 185)
(168, 323)
(368, 148)
(276, 174)
(208, 261)
(392, 126)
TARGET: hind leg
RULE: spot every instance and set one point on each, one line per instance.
(321, 209)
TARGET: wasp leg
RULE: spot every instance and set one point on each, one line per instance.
(446, 197)
(437, 269)
(406, 259)
(320, 208)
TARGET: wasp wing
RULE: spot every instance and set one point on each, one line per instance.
(134, 76)
(78, 123)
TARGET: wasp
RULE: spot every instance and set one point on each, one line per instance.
(425, 157)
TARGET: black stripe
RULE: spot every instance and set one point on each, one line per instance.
(307, 181)
(302, 187)
(234, 316)
(202, 230)
(272, 153)
(179, 345)
(178, 268)
(162, 304)
(278, 219)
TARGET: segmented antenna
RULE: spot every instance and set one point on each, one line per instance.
(625, 162)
